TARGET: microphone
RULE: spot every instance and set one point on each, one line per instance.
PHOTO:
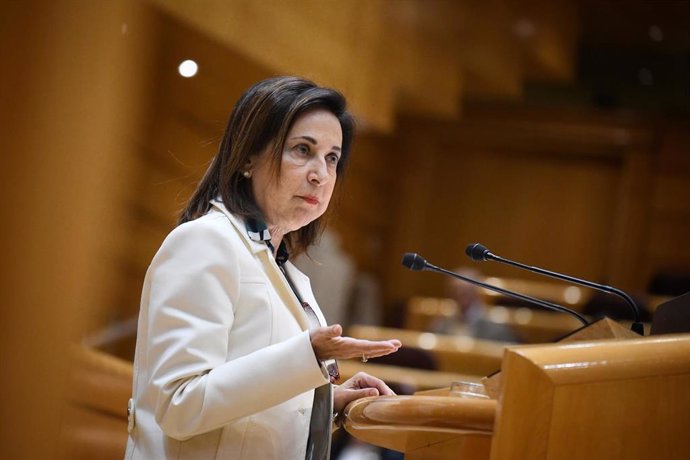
(479, 252)
(415, 262)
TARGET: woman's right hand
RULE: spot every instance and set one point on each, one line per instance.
(328, 343)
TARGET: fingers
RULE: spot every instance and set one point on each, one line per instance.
(328, 332)
(328, 343)
(324, 340)
(334, 330)
(360, 385)
(364, 393)
(343, 396)
(381, 348)
(364, 380)
(356, 348)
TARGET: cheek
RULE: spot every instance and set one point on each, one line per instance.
(328, 196)
(327, 199)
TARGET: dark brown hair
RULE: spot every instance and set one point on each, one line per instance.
(264, 114)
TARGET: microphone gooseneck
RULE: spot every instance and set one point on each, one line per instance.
(416, 262)
(479, 253)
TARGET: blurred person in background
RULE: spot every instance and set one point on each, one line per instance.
(471, 316)
(347, 296)
(234, 359)
(331, 272)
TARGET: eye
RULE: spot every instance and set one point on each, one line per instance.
(332, 159)
(302, 149)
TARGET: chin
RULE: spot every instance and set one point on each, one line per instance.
(307, 222)
(309, 218)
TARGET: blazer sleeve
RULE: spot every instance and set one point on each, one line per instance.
(193, 281)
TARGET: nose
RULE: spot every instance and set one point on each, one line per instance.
(318, 172)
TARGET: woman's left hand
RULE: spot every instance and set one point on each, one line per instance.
(358, 386)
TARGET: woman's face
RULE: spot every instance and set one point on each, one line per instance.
(307, 177)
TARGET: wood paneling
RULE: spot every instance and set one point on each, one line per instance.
(667, 246)
(364, 207)
(564, 190)
(72, 91)
(492, 64)
(406, 55)
(95, 424)
(547, 210)
(274, 34)
(632, 222)
(591, 400)
(548, 31)
(422, 38)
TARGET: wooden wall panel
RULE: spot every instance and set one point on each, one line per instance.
(492, 63)
(568, 191)
(419, 56)
(544, 210)
(669, 243)
(422, 40)
(70, 118)
(342, 46)
(632, 222)
(667, 247)
(364, 211)
(671, 193)
(548, 32)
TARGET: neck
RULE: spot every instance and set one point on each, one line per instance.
(276, 236)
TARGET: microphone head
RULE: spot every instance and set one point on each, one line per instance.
(477, 252)
(413, 261)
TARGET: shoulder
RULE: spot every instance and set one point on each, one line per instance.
(213, 226)
(194, 254)
(210, 236)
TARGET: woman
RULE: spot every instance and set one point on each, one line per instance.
(233, 357)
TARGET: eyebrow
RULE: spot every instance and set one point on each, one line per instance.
(313, 141)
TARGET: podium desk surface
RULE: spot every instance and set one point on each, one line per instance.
(405, 423)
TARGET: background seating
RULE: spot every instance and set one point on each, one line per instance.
(95, 419)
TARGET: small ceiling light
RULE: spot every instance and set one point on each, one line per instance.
(645, 76)
(655, 33)
(188, 68)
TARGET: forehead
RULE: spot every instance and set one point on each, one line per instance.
(319, 124)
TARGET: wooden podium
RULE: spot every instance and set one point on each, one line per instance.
(599, 399)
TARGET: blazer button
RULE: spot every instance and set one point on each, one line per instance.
(130, 415)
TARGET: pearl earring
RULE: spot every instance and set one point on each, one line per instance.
(247, 174)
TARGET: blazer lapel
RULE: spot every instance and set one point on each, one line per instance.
(283, 289)
(271, 268)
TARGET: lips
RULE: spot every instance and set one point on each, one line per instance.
(310, 199)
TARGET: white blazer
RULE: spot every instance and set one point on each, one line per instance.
(224, 367)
